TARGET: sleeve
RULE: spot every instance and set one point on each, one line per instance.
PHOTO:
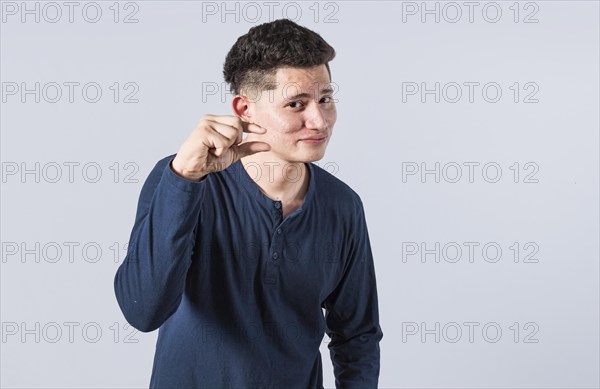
(149, 283)
(352, 315)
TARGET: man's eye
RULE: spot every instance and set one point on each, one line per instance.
(295, 104)
(326, 99)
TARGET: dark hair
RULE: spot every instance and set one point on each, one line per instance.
(255, 57)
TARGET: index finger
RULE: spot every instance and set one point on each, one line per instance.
(237, 123)
(253, 128)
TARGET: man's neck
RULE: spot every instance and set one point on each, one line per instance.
(277, 179)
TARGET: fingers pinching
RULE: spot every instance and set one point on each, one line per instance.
(253, 128)
(215, 143)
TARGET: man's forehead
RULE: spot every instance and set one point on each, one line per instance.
(298, 83)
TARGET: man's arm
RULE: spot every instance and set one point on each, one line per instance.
(149, 283)
(352, 316)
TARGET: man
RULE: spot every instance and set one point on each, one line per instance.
(239, 244)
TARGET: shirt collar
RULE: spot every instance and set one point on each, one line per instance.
(243, 178)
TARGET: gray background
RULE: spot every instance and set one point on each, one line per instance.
(61, 326)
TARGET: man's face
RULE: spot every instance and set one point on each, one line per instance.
(301, 107)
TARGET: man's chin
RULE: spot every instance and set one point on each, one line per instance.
(315, 159)
(300, 157)
(311, 157)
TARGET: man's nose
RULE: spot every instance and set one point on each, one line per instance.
(315, 118)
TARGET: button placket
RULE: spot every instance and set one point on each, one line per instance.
(276, 212)
(275, 250)
(272, 265)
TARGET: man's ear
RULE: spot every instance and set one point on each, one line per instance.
(242, 109)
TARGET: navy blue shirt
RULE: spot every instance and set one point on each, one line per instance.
(243, 296)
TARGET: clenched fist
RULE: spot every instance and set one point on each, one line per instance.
(215, 144)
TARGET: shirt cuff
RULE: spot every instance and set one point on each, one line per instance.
(181, 183)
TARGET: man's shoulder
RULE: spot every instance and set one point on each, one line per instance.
(333, 189)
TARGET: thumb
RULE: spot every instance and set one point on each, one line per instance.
(249, 148)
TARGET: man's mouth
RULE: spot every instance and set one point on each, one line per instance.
(318, 137)
(315, 140)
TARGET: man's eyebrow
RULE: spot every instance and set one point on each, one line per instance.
(324, 91)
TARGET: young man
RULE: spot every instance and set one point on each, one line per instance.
(239, 244)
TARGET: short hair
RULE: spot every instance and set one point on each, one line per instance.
(255, 57)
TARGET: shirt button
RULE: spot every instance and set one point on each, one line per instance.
(279, 230)
(275, 255)
(277, 204)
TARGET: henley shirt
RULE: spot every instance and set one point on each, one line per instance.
(242, 296)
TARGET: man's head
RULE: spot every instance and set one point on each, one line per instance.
(256, 56)
(280, 74)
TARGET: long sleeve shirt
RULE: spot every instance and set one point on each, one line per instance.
(243, 296)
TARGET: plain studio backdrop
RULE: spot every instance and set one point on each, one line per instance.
(469, 129)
